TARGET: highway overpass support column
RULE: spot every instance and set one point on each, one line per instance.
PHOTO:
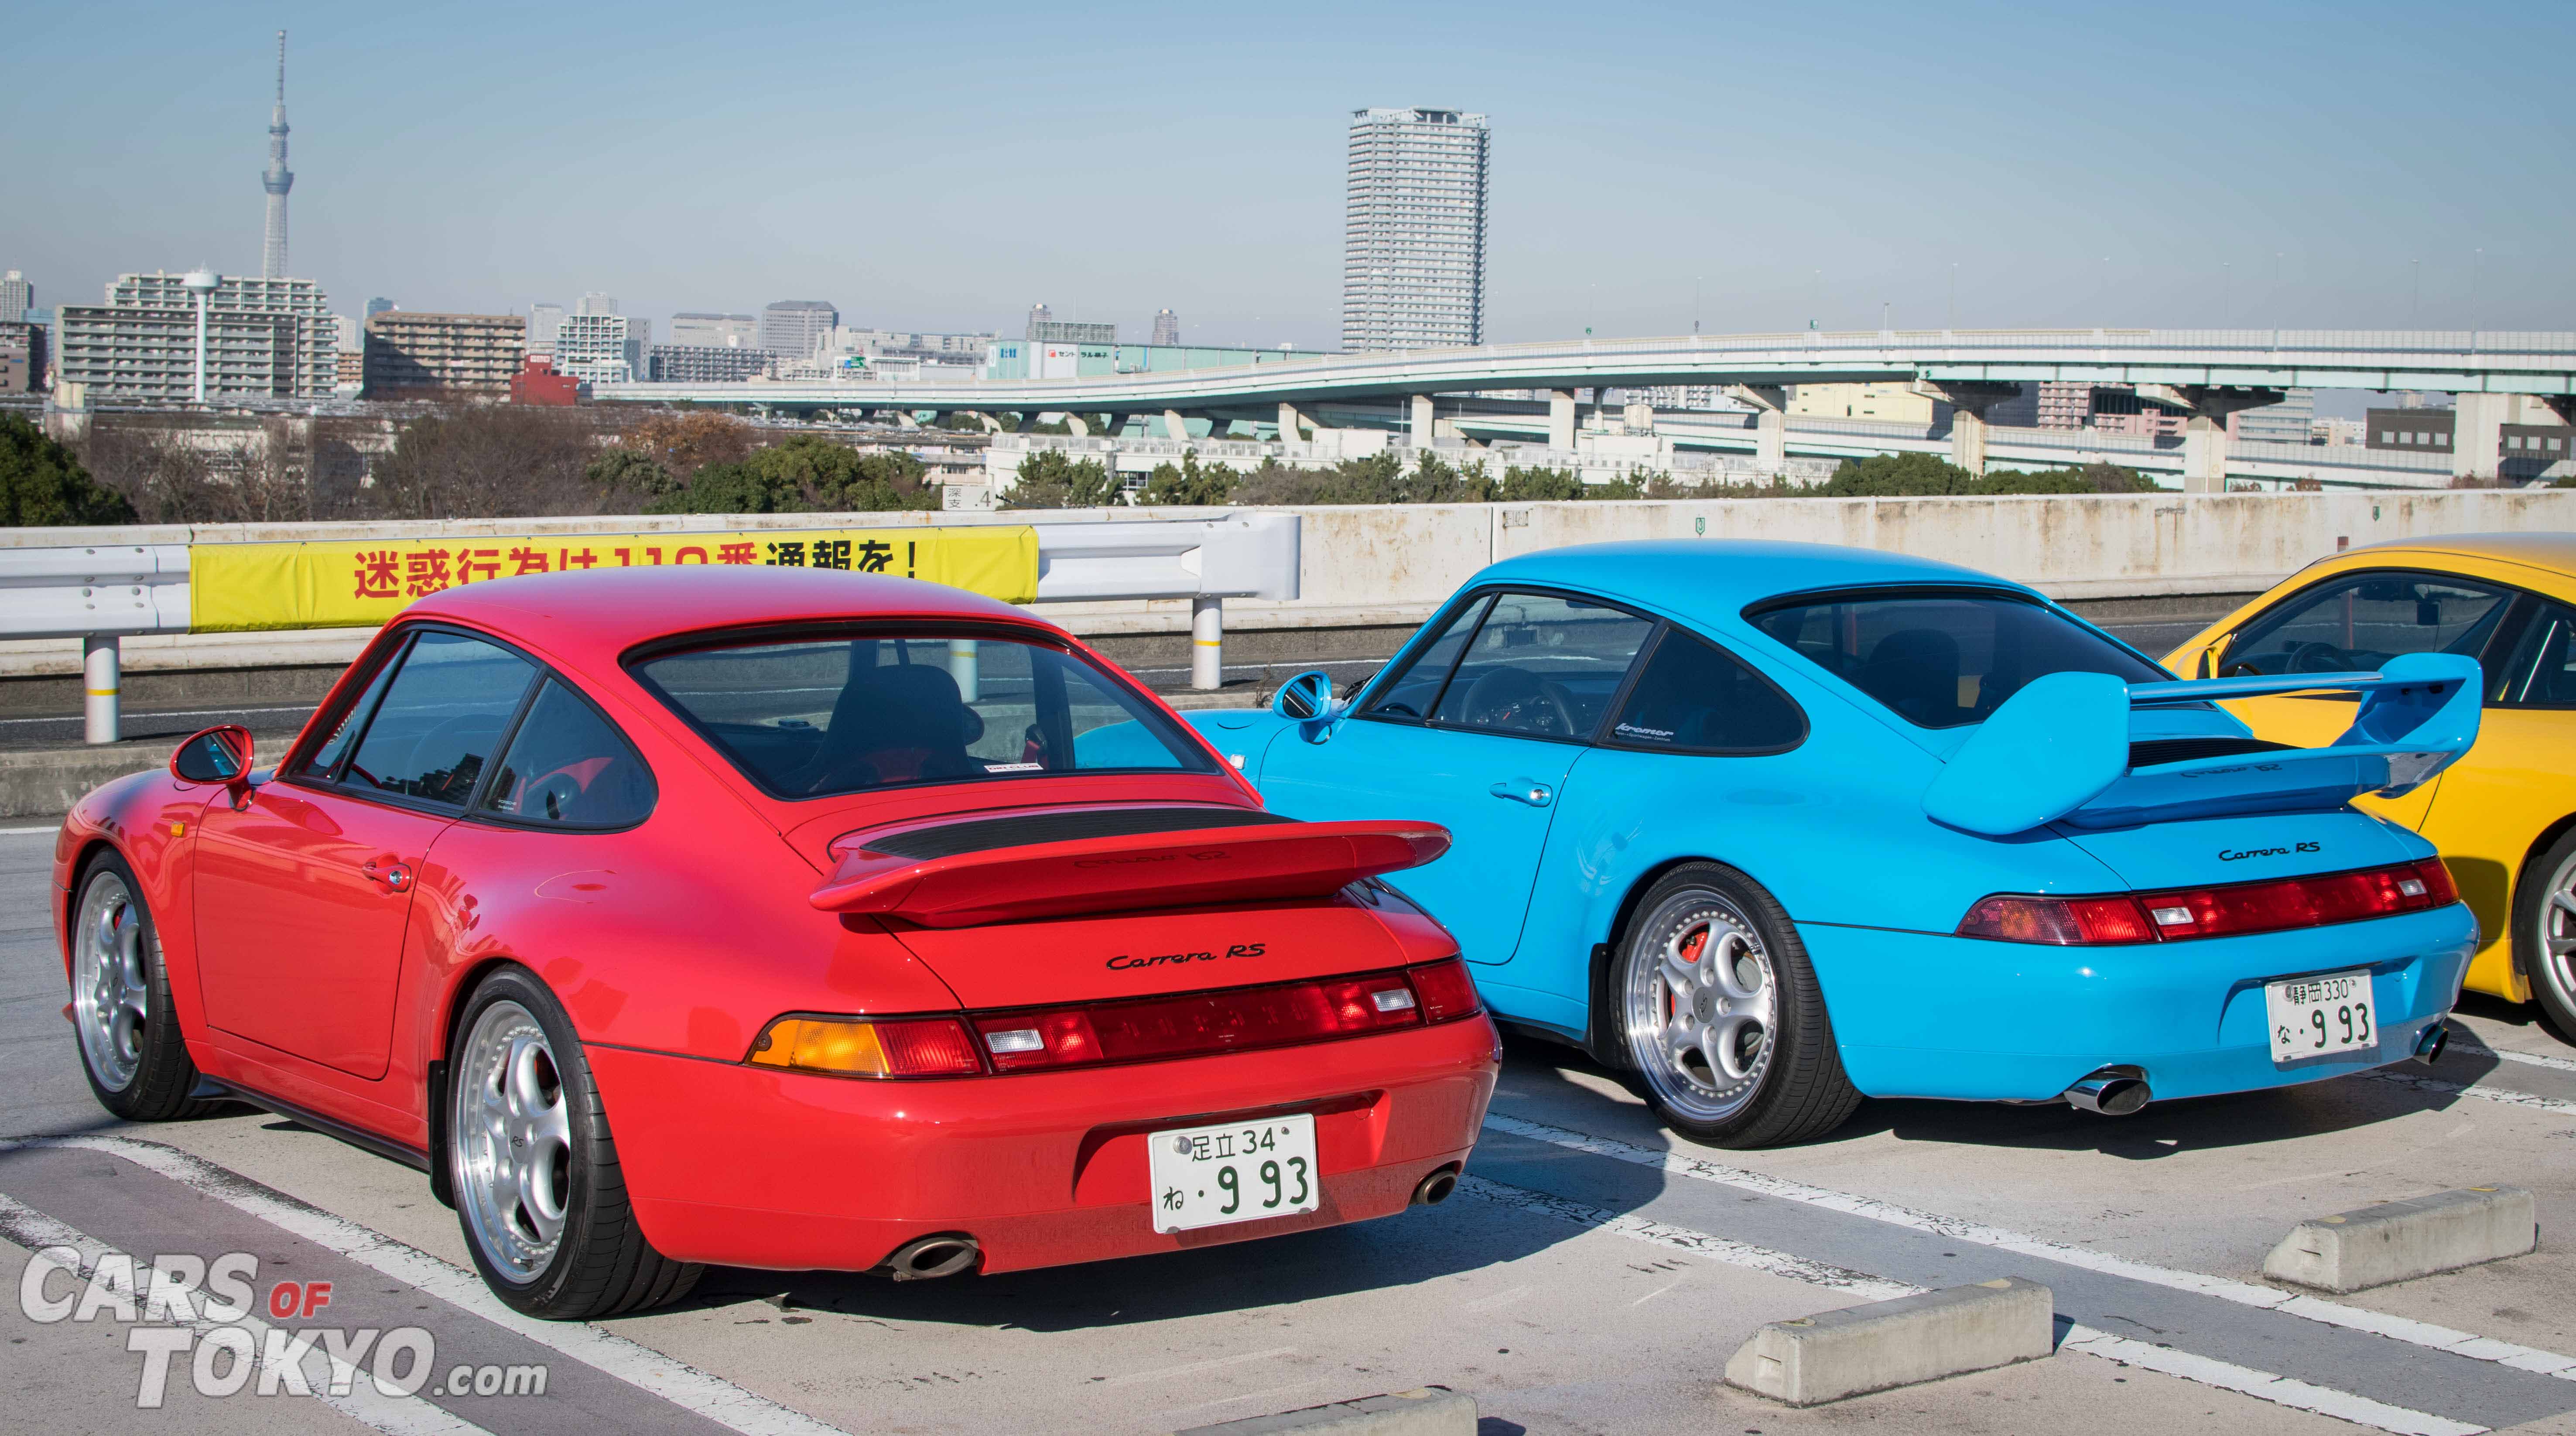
(1770, 422)
(1422, 421)
(1560, 418)
(1174, 426)
(2204, 429)
(2477, 434)
(1292, 425)
(1968, 403)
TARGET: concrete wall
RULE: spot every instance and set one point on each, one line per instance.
(1377, 565)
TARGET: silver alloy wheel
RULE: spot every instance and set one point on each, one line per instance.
(2558, 932)
(1702, 1005)
(511, 1140)
(112, 995)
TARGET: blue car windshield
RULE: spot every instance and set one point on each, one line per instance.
(1941, 658)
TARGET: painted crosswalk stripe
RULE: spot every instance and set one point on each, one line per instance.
(675, 1381)
(1862, 1287)
(2406, 1329)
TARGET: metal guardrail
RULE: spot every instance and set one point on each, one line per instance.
(103, 593)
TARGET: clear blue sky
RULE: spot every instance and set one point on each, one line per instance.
(2187, 164)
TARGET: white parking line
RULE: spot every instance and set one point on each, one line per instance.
(674, 1381)
(2207, 1371)
(2485, 1094)
(2528, 1059)
(2408, 1330)
(10, 832)
(396, 1415)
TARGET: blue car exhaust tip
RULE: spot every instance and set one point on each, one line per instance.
(2428, 1047)
(2111, 1091)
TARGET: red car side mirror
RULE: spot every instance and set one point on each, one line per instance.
(217, 755)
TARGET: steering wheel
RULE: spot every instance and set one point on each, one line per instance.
(2317, 658)
(1516, 699)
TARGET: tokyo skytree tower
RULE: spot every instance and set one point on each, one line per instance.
(278, 179)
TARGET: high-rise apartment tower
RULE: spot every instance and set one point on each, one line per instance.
(277, 179)
(1413, 249)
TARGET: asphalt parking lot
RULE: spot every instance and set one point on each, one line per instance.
(1593, 1275)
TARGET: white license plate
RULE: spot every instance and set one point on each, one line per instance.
(2321, 1016)
(1240, 1172)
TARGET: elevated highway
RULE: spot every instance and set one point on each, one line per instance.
(2206, 373)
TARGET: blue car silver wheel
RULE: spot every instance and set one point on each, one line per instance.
(1701, 1015)
(1721, 1014)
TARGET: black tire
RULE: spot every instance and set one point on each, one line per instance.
(596, 1261)
(1790, 1086)
(132, 1051)
(2538, 923)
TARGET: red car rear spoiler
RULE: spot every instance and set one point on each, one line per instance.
(1119, 874)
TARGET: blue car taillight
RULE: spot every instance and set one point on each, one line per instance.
(2233, 910)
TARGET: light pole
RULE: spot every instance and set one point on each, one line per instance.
(201, 283)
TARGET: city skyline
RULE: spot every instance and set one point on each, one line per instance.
(1845, 164)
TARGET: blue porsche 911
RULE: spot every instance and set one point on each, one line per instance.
(1777, 826)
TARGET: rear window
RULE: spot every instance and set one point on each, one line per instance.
(1939, 659)
(816, 717)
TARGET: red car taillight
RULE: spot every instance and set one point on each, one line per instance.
(2230, 911)
(856, 1047)
(1238, 1019)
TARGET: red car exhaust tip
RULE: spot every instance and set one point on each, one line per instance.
(2112, 1092)
(1434, 1189)
(929, 1258)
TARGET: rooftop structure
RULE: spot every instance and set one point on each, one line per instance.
(1413, 249)
(1067, 331)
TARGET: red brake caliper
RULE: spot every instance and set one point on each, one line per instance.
(1690, 950)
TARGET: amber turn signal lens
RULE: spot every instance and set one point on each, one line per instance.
(850, 1047)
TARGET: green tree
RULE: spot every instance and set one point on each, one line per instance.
(621, 472)
(43, 486)
(1896, 476)
(806, 474)
(1190, 483)
(1047, 479)
(1525, 486)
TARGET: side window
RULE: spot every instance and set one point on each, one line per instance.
(440, 719)
(1696, 698)
(567, 767)
(335, 745)
(1542, 665)
(2360, 622)
(2541, 672)
(1418, 686)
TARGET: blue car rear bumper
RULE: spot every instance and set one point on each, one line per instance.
(1929, 1015)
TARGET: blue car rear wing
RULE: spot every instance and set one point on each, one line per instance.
(2058, 750)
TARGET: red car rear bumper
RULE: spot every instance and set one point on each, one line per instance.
(751, 1167)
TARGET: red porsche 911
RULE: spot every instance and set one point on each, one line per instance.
(774, 918)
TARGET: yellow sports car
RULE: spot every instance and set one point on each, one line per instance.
(2505, 815)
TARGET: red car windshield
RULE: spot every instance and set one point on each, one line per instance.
(1942, 658)
(816, 717)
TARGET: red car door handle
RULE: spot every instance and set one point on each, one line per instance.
(394, 876)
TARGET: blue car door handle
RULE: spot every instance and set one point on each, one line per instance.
(1523, 790)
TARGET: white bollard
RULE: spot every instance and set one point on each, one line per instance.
(963, 662)
(98, 688)
(1207, 643)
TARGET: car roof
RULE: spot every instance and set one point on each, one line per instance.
(1712, 581)
(2538, 550)
(590, 618)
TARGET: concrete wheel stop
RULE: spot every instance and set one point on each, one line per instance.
(2397, 1241)
(1888, 1344)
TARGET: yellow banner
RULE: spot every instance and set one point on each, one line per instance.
(235, 587)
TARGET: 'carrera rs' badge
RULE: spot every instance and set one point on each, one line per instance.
(1128, 962)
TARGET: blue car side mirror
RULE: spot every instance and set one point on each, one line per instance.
(1307, 700)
